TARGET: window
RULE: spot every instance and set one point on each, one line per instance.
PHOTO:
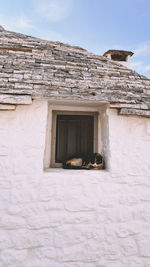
(72, 128)
(73, 132)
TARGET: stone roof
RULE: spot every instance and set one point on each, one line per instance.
(31, 68)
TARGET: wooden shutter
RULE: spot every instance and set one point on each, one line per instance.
(74, 134)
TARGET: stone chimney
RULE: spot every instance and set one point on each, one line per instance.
(120, 56)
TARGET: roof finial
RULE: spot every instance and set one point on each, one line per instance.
(121, 56)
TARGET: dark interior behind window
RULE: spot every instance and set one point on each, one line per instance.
(74, 134)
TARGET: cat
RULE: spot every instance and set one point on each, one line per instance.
(80, 161)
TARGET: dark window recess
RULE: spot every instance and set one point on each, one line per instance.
(74, 134)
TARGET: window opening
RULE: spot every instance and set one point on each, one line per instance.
(74, 134)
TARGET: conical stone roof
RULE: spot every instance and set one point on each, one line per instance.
(31, 68)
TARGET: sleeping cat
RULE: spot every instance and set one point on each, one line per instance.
(81, 161)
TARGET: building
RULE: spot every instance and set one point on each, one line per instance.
(72, 218)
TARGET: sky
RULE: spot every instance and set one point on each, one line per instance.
(96, 25)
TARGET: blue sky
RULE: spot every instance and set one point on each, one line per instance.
(96, 25)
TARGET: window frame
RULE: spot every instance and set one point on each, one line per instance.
(95, 114)
(102, 138)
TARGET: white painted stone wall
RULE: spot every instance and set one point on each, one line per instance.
(63, 218)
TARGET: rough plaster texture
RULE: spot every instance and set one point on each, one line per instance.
(63, 218)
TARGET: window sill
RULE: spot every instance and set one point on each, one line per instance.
(69, 171)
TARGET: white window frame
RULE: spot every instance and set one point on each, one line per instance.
(70, 109)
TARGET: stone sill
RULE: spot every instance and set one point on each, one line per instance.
(73, 172)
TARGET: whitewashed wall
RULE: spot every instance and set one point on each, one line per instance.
(66, 218)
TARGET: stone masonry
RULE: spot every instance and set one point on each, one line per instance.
(71, 218)
(31, 68)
